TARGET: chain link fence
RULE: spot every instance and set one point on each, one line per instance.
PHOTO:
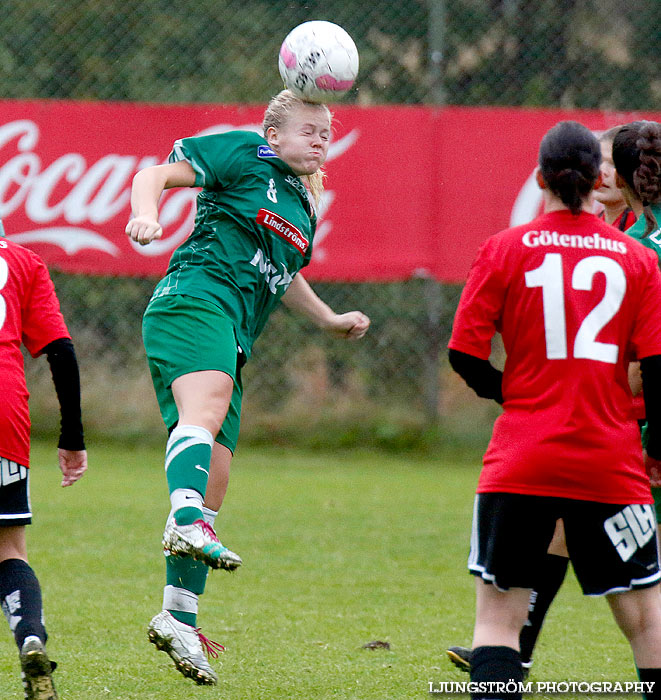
(301, 385)
(394, 386)
(567, 53)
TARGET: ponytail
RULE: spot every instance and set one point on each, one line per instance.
(569, 160)
(637, 158)
(572, 187)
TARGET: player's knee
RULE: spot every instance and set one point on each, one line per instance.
(212, 418)
(12, 544)
(638, 613)
(506, 619)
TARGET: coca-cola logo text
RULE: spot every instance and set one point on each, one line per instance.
(71, 199)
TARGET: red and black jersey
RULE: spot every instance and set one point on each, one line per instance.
(29, 314)
(626, 219)
(574, 299)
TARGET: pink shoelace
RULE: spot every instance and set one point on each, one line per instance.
(210, 647)
(208, 529)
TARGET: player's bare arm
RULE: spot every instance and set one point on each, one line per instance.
(148, 186)
(301, 298)
(635, 379)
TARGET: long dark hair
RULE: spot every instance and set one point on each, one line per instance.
(569, 160)
(637, 159)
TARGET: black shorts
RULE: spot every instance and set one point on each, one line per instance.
(613, 548)
(14, 494)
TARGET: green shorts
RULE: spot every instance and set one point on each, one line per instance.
(183, 334)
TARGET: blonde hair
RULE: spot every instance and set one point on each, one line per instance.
(608, 135)
(276, 114)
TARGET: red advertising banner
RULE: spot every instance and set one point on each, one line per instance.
(411, 191)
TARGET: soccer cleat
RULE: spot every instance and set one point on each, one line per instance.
(36, 670)
(460, 657)
(185, 645)
(199, 541)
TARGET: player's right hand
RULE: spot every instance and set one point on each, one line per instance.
(73, 464)
(143, 229)
(351, 325)
(653, 468)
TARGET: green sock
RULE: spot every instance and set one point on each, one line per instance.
(186, 580)
(187, 460)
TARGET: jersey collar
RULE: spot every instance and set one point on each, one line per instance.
(267, 154)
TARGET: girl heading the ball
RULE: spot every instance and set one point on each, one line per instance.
(254, 232)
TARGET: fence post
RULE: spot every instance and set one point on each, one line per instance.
(432, 292)
(436, 40)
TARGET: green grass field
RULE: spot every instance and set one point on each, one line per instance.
(339, 550)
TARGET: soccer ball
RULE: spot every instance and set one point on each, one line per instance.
(318, 61)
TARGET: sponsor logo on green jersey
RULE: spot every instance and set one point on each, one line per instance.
(284, 229)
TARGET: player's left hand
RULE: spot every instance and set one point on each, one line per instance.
(653, 469)
(351, 325)
(73, 464)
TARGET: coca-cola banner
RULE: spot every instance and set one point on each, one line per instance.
(411, 191)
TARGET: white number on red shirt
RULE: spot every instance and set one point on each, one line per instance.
(4, 274)
(549, 277)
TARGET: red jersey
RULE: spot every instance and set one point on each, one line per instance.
(574, 300)
(626, 219)
(29, 313)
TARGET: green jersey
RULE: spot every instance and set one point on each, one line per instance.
(253, 230)
(637, 230)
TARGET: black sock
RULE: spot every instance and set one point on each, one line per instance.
(20, 596)
(497, 664)
(651, 675)
(551, 577)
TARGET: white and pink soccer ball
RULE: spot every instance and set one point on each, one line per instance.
(318, 61)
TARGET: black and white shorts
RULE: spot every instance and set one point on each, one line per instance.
(14, 494)
(613, 548)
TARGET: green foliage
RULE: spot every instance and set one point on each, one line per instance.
(598, 53)
(549, 53)
(340, 549)
(302, 386)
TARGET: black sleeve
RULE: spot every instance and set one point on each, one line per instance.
(650, 368)
(64, 368)
(480, 375)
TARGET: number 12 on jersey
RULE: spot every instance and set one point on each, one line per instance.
(4, 276)
(549, 276)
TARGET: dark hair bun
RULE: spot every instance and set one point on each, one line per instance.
(569, 160)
